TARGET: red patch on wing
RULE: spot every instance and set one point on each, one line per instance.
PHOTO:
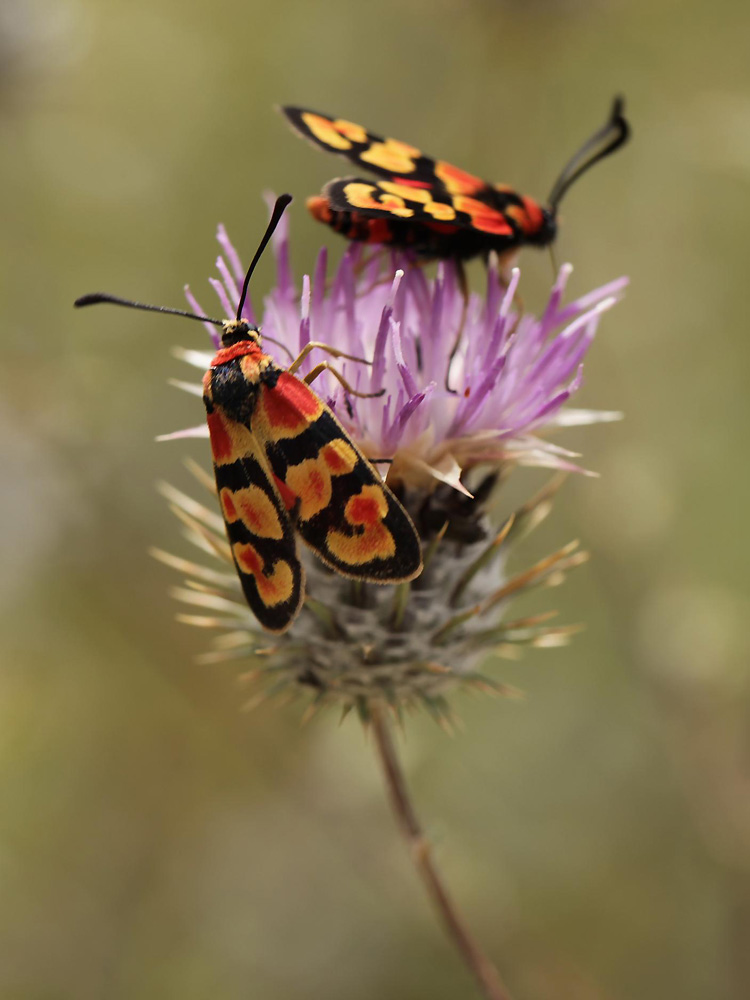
(458, 181)
(534, 213)
(230, 511)
(288, 496)
(363, 510)
(221, 442)
(289, 400)
(407, 182)
(336, 462)
(249, 560)
(487, 219)
(317, 484)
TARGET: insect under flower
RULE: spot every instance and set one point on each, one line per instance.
(284, 465)
(430, 206)
(515, 375)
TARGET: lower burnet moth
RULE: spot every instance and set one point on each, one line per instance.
(285, 466)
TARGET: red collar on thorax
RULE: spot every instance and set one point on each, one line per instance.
(239, 350)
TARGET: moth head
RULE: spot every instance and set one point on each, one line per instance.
(547, 230)
(234, 331)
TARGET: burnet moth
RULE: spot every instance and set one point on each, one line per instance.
(285, 466)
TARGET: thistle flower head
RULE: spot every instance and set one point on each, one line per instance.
(467, 387)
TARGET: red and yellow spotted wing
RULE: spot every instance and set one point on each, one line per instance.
(284, 466)
(429, 205)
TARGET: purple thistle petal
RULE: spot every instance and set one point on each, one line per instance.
(232, 290)
(304, 326)
(472, 403)
(493, 295)
(209, 327)
(231, 254)
(558, 290)
(410, 408)
(431, 345)
(550, 406)
(379, 358)
(318, 300)
(226, 306)
(611, 290)
(385, 419)
(406, 377)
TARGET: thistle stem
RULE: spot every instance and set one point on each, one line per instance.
(420, 849)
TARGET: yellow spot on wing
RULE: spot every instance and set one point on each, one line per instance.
(254, 508)
(325, 130)
(392, 155)
(339, 456)
(311, 482)
(437, 209)
(364, 511)
(368, 506)
(375, 542)
(351, 130)
(275, 587)
(440, 211)
(421, 195)
(361, 196)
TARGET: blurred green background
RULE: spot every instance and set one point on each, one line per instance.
(154, 841)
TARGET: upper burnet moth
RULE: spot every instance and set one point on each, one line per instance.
(285, 466)
(430, 206)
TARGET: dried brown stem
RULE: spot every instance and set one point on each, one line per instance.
(420, 849)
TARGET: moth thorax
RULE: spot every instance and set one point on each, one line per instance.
(234, 331)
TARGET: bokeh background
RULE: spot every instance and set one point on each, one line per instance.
(155, 842)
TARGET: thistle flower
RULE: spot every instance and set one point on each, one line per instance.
(471, 387)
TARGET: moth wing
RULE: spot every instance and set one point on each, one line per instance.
(344, 511)
(258, 525)
(388, 158)
(395, 200)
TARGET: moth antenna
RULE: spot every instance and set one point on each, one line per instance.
(613, 134)
(96, 297)
(278, 210)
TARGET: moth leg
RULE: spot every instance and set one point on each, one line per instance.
(324, 366)
(387, 279)
(365, 261)
(553, 258)
(333, 351)
(381, 279)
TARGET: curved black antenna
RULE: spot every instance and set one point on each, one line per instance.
(96, 297)
(278, 210)
(604, 141)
